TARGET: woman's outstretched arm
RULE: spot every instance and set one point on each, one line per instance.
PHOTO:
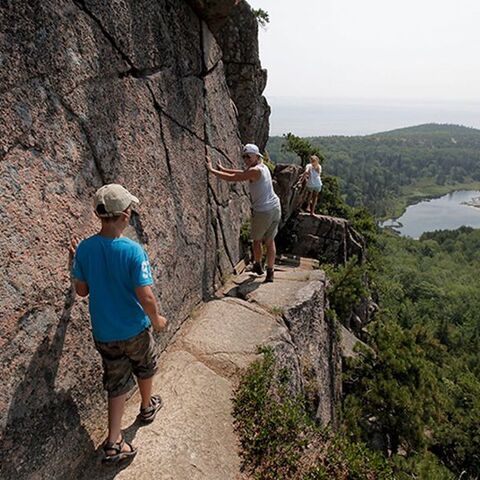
(228, 170)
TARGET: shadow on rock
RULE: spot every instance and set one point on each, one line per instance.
(246, 287)
(93, 466)
(43, 435)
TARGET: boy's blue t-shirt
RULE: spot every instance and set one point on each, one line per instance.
(113, 268)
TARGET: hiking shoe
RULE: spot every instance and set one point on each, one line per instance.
(269, 277)
(257, 268)
(148, 414)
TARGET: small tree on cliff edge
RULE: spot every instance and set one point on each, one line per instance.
(302, 147)
(262, 17)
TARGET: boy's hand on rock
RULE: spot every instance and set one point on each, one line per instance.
(160, 323)
(72, 248)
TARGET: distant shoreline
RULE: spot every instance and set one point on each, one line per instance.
(428, 193)
(475, 202)
(316, 117)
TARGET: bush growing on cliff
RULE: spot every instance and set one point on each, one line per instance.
(394, 389)
(302, 147)
(262, 17)
(348, 286)
(281, 442)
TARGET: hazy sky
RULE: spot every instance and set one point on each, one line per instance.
(372, 49)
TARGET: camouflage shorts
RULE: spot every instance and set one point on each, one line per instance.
(126, 358)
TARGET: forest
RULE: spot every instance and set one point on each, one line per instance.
(378, 171)
(411, 396)
(416, 388)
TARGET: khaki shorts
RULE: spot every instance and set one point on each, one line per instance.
(264, 225)
(126, 358)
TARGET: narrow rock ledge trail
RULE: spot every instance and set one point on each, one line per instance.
(192, 437)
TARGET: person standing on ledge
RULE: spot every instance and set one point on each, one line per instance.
(314, 182)
(266, 210)
(115, 272)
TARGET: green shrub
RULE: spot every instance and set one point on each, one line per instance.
(348, 286)
(279, 441)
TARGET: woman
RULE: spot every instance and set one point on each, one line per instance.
(314, 182)
(266, 210)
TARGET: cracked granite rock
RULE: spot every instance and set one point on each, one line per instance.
(91, 92)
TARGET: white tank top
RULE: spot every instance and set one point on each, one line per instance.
(261, 192)
(314, 179)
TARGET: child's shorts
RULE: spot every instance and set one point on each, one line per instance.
(125, 358)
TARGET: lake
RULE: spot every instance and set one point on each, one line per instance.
(444, 213)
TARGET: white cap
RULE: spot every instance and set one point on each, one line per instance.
(114, 198)
(251, 149)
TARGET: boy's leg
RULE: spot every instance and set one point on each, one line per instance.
(116, 406)
(143, 358)
(118, 381)
(145, 387)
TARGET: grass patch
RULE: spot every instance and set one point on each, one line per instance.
(277, 310)
(280, 441)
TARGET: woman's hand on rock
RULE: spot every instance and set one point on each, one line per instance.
(209, 165)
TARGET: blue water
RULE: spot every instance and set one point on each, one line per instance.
(316, 117)
(444, 213)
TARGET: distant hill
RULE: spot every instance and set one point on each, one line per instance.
(376, 170)
(430, 129)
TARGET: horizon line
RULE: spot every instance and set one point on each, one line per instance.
(373, 99)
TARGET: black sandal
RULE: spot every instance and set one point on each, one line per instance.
(117, 447)
(148, 414)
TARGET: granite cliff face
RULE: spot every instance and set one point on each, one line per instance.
(236, 30)
(91, 92)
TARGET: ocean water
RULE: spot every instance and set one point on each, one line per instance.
(316, 117)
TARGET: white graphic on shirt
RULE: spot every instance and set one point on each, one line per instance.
(146, 270)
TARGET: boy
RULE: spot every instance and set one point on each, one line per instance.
(115, 272)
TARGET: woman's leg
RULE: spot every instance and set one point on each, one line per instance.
(307, 200)
(314, 202)
(271, 252)
(257, 251)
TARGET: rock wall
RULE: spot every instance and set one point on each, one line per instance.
(285, 181)
(92, 92)
(317, 351)
(245, 77)
(328, 239)
(236, 30)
